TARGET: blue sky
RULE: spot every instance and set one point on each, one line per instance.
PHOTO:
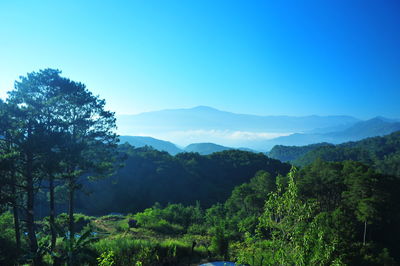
(267, 57)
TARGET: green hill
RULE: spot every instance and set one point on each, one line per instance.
(383, 153)
(161, 145)
(290, 153)
(378, 126)
(151, 176)
(205, 148)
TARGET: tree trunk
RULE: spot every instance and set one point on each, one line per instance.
(30, 218)
(71, 208)
(52, 212)
(16, 219)
(15, 208)
(71, 222)
(365, 231)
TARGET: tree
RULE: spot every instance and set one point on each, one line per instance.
(89, 141)
(363, 194)
(290, 231)
(25, 134)
(38, 96)
(323, 182)
(62, 130)
(8, 173)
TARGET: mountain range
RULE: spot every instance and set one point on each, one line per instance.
(377, 126)
(199, 128)
(161, 145)
(208, 118)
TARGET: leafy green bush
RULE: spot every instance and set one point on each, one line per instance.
(164, 221)
(130, 251)
(81, 221)
(106, 258)
(220, 242)
(197, 229)
(164, 227)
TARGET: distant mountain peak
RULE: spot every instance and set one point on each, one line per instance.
(382, 118)
(207, 124)
(205, 148)
(204, 108)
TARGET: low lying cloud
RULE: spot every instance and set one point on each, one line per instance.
(256, 135)
(222, 137)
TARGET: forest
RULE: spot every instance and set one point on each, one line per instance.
(72, 194)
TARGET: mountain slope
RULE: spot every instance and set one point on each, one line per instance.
(377, 126)
(205, 148)
(150, 176)
(290, 153)
(161, 145)
(383, 153)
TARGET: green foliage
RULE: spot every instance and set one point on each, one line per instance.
(382, 153)
(361, 202)
(6, 225)
(81, 220)
(130, 251)
(291, 153)
(106, 258)
(151, 176)
(173, 219)
(75, 250)
(289, 233)
(294, 233)
(246, 203)
(220, 242)
(8, 252)
(330, 212)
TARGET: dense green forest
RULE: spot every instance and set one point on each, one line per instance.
(291, 153)
(150, 176)
(70, 195)
(381, 153)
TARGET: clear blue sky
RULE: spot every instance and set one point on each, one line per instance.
(267, 57)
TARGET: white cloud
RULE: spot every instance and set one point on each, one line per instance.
(223, 137)
(256, 135)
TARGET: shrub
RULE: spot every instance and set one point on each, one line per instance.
(129, 251)
(164, 227)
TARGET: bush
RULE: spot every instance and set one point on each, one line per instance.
(129, 251)
(220, 242)
(197, 229)
(164, 227)
(175, 218)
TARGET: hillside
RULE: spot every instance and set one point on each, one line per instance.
(383, 153)
(151, 176)
(161, 145)
(290, 153)
(205, 148)
(377, 126)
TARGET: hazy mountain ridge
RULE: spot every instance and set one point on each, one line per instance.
(378, 126)
(203, 117)
(260, 133)
(161, 145)
(382, 152)
(171, 148)
(290, 153)
(205, 148)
